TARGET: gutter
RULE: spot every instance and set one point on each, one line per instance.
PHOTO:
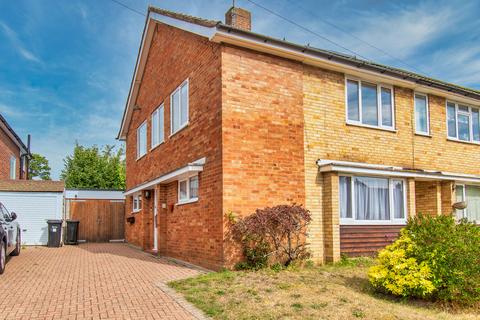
(393, 171)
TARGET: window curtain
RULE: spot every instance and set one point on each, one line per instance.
(345, 197)
(398, 204)
(371, 199)
(473, 203)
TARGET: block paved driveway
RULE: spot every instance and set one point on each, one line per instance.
(91, 281)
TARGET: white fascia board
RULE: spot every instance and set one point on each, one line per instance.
(12, 137)
(385, 171)
(184, 172)
(310, 59)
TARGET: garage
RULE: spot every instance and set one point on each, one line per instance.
(34, 202)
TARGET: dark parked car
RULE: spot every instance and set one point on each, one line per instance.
(10, 240)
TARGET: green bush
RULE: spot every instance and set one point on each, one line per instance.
(398, 273)
(432, 251)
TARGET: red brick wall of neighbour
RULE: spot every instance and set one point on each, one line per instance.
(8, 149)
(192, 230)
(262, 133)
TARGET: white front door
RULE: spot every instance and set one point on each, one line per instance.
(155, 222)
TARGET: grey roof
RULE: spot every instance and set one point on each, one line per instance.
(328, 54)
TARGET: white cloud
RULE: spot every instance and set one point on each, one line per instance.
(17, 44)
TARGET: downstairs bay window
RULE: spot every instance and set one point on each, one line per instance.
(471, 195)
(372, 200)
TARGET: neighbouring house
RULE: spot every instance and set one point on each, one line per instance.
(221, 119)
(14, 155)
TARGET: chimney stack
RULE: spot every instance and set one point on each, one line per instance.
(239, 18)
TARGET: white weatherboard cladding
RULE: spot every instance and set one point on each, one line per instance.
(33, 210)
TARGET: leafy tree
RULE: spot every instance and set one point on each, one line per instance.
(90, 167)
(39, 167)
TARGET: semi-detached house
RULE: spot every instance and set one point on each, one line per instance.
(220, 119)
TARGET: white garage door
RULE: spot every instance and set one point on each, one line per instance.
(33, 210)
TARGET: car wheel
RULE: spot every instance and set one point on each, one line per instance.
(16, 252)
(3, 256)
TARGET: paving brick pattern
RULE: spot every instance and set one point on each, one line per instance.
(91, 281)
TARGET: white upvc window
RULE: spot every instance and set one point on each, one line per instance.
(137, 202)
(157, 127)
(372, 200)
(179, 108)
(188, 190)
(463, 122)
(142, 140)
(422, 115)
(471, 195)
(13, 167)
(369, 104)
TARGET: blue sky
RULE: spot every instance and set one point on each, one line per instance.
(66, 65)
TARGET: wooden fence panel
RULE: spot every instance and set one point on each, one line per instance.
(100, 220)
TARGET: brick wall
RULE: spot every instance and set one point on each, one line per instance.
(262, 133)
(8, 149)
(175, 56)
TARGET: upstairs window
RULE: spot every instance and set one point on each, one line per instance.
(369, 104)
(422, 121)
(13, 167)
(157, 127)
(372, 200)
(142, 140)
(463, 122)
(179, 108)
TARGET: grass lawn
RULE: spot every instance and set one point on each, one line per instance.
(337, 291)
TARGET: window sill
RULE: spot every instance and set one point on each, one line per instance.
(370, 127)
(463, 141)
(179, 203)
(373, 222)
(157, 145)
(427, 135)
(135, 211)
(141, 156)
(179, 129)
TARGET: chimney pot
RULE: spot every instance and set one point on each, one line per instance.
(239, 18)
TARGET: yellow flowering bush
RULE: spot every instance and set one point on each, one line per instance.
(400, 274)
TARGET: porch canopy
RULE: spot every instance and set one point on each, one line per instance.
(183, 172)
(392, 171)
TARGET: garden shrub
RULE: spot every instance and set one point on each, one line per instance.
(275, 234)
(399, 273)
(438, 250)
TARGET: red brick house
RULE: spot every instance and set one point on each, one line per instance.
(220, 119)
(14, 155)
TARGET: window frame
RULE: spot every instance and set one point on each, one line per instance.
(188, 199)
(464, 199)
(415, 94)
(181, 125)
(470, 117)
(379, 87)
(144, 123)
(160, 111)
(13, 168)
(137, 202)
(392, 220)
